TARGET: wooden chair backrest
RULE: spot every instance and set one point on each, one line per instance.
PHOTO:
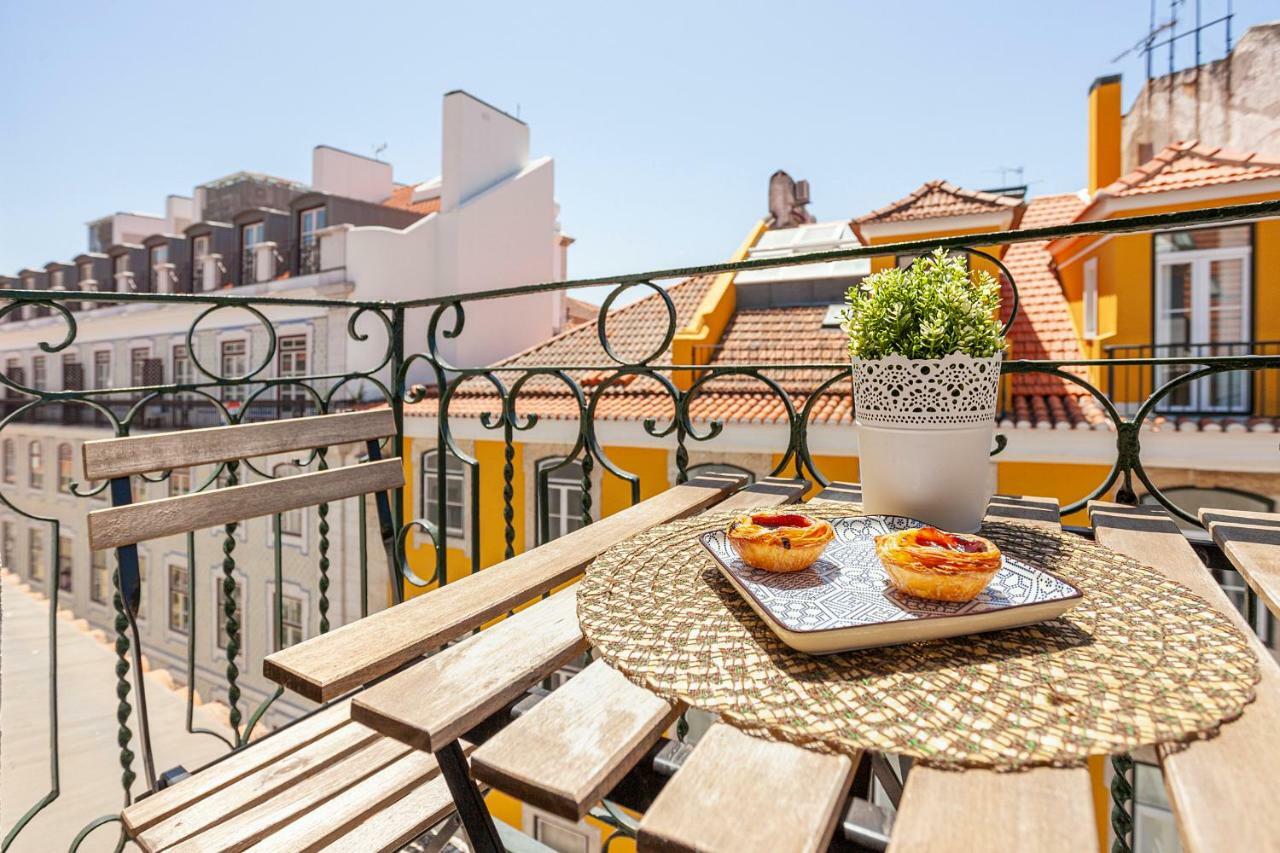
(127, 523)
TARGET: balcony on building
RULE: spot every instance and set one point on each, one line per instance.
(211, 246)
(126, 265)
(92, 274)
(167, 267)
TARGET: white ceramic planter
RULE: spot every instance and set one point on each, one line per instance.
(925, 433)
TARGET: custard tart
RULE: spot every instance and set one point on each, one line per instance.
(779, 541)
(930, 563)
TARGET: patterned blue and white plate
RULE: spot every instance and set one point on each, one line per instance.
(844, 601)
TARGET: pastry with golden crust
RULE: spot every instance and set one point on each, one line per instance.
(930, 563)
(780, 541)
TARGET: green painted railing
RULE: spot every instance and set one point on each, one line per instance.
(258, 394)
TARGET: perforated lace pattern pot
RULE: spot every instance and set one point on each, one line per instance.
(939, 393)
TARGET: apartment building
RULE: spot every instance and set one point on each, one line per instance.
(352, 232)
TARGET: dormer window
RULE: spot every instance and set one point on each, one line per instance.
(156, 256)
(250, 236)
(86, 272)
(310, 223)
(120, 264)
(58, 281)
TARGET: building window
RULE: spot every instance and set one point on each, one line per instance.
(72, 374)
(158, 255)
(179, 482)
(39, 373)
(9, 462)
(102, 369)
(235, 363)
(99, 576)
(182, 372)
(292, 612)
(138, 366)
(179, 600)
(1202, 300)
(35, 554)
(35, 465)
(58, 280)
(142, 588)
(309, 223)
(13, 372)
(291, 361)
(220, 614)
(8, 545)
(119, 264)
(558, 834)
(250, 236)
(455, 489)
(199, 251)
(65, 563)
(563, 512)
(291, 521)
(1091, 298)
(65, 474)
(86, 273)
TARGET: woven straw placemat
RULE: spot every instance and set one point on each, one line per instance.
(1141, 660)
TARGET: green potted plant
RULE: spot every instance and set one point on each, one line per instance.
(926, 343)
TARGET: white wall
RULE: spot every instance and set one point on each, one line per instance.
(497, 227)
(135, 227)
(350, 175)
(482, 145)
(179, 212)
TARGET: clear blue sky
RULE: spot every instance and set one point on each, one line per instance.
(665, 119)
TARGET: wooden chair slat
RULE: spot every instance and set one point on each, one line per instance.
(390, 828)
(740, 794)
(306, 794)
(1044, 809)
(147, 812)
(570, 749)
(262, 784)
(771, 491)
(439, 699)
(121, 457)
(125, 525)
(327, 666)
(993, 811)
(1221, 788)
(366, 800)
(573, 747)
(1251, 541)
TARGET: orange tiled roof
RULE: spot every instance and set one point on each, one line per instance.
(936, 199)
(401, 198)
(1189, 165)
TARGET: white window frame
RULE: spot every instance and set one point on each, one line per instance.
(231, 338)
(531, 818)
(169, 564)
(111, 367)
(562, 484)
(308, 351)
(135, 346)
(8, 462)
(292, 590)
(36, 445)
(57, 468)
(461, 537)
(107, 556)
(1199, 261)
(299, 541)
(1090, 308)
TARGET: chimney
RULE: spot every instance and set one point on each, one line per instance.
(1104, 132)
(788, 200)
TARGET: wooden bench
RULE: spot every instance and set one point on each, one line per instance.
(1251, 541)
(323, 780)
(1221, 789)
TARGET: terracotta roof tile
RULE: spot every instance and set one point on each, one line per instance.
(937, 199)
(1187, 165)
(401, 198)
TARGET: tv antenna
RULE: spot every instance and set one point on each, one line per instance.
(1006, 171)
(1147, 45)
(377, 151)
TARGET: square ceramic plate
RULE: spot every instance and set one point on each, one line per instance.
(844, 601)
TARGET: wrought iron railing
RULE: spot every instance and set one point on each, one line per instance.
(509, 401)
(1227, 394)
